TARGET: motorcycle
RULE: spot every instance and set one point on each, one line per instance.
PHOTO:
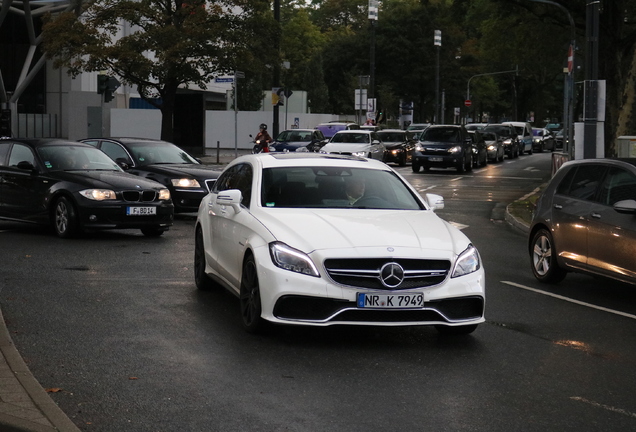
(260, 146)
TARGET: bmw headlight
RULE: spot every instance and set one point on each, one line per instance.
(164, 194)
(359, 154)
(456, 149)
(292, 259)
(98, 194)
(185, 183)
(467, 262)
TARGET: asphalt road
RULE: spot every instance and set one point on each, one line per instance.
(113, 320)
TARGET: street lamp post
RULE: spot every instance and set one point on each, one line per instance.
(516, 71)
(363, 80)
(437, 41)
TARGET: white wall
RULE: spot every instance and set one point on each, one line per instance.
(220, 125)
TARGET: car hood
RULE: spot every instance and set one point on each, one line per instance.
(106, 179)
(174, 170)
(310, 229)
(393, 145)
(345, 147)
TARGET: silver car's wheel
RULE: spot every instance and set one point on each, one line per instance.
(543, 258)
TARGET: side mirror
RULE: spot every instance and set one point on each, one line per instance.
(230, 197)
(434, 201)
(123, 163)
(27, 166)
(625, 206)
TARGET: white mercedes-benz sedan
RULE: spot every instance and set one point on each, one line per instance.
(314, 239)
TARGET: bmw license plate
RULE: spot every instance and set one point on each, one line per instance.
(435, 159)
(141, 211)
(390, 301)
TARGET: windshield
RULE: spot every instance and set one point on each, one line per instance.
(294, 136)
(352, 138)
(489, 136)
(537, 132)
(392, 136)
(332, 187)
(72, 158)
(149, 153)
(499, 130)
(449, 135)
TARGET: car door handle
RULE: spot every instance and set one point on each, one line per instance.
(596, 215)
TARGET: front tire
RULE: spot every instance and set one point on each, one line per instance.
(543, 258)
(201, 279)
(250, 298)
(65, 219)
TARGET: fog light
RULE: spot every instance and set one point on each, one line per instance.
(92, 218)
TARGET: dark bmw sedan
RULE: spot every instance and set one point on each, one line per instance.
(187, 179)
(76, 187)
(585, 221)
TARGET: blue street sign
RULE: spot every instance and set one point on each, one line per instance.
(223, 80)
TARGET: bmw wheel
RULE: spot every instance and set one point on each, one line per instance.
(65, 220)
(250, 297)
(543, 258)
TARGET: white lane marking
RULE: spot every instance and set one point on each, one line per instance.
(531, 169)
(601, 308)
(428, 188)
(456, 178)
(606, 407)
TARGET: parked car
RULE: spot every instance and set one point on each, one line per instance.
(480, 151)
(444, 146)
(399, 145)
(542, 139)
(360, 143)
(301, 140)
(524, 134)
(508, 134)
(585, 221)
(320, 240)
(187, 179)
(330, 129)
(75, 187)
(494, 146)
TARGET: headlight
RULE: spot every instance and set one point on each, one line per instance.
(164, 194)
(302, 149)
(419, 148)
(185, 183)
(98, 194)
(292, 259)
(455, 149)
(492, 147)
(467, 262)
(359, 154)
(323, 152)
(475, 150)
(508, 141)
(537, 140)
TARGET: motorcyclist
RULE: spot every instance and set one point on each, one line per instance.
(263, 138)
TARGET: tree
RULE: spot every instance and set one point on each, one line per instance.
(173, 43)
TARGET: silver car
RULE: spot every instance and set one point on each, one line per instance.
(585, 221)
(362, 143)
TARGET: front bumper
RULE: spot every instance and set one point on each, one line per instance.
(438, 160)
(292, 298)
(114, 216)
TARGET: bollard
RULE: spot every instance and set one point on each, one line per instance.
(218, 149)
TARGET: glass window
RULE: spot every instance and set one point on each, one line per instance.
(582, 182)
(21, 153)
(4, 151)
(618, 185)
(115, 151)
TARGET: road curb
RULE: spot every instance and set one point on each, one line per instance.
(26, 388)
(516, 222)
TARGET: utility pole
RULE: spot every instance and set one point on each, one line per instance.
(437, 41)
(276, 71)
(373, 17)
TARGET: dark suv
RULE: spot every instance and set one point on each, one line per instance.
(444, 146)
(512, 146)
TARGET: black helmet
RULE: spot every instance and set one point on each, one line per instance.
(263, 126)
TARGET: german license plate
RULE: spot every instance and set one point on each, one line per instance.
(141, 211)
(435, 159)
(390, 301)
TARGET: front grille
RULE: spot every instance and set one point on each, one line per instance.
(303, 308)
(139, 196)
(365, 273)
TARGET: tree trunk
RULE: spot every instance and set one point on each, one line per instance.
(168, 97)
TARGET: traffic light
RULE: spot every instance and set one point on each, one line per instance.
(111, 85)
(107, 85)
